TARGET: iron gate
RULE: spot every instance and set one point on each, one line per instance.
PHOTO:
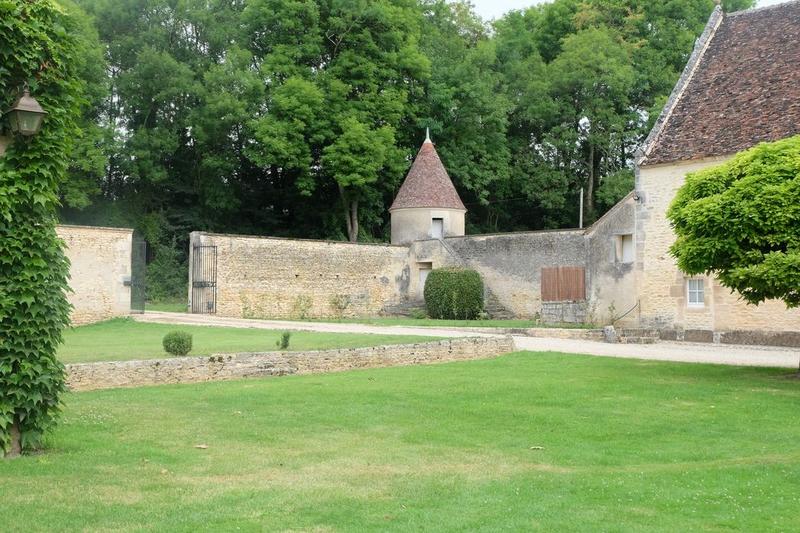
(204, 279)
(138, 274)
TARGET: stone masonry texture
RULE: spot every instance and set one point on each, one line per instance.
(261, 277)
(100, 262)
(662, 287)
(92, 376)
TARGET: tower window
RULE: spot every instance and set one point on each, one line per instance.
(437, 228)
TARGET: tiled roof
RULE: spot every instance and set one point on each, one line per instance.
(741, 87)
(427, 183)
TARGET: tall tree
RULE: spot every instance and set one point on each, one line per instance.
(465, 107)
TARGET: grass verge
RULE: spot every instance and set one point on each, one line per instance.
(523, 442)
(124, 339)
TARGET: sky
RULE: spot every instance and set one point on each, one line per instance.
(490, 9)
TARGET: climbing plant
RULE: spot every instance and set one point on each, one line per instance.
(37, 48)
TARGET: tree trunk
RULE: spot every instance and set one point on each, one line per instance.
(353, 226)
(16, 443)
(350, 215)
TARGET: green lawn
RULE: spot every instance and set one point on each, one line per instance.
(125, 339)
(625, 446)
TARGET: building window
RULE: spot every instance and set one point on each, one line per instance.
(437, 228)
(623, 248)
(695, 290)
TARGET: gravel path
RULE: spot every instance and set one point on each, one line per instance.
(684, 352)
(663, 351)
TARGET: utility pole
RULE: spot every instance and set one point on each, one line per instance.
(580, 211)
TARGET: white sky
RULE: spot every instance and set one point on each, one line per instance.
(490, 9)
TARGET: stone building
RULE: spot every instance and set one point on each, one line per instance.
(739, 88)
(427, 204)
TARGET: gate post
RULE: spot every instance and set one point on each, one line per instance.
(203, 276)
(138, 273)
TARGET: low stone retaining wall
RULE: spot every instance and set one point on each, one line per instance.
(564, 312)
(92, 376)
(581, 334)
(787, 339)
(567, 333)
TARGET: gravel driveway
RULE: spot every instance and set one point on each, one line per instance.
(683, 352)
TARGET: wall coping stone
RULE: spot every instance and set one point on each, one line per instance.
(97, 228)
(294, 239)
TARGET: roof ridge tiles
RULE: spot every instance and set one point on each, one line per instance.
(739, 89)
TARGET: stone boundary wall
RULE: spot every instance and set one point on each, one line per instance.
(583, 334)
(510, 264)
(567, 333)
(93, 376)
(787, 339)
(267, 277)
(100, 264)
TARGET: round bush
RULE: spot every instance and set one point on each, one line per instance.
(177, 342)
(454, 294)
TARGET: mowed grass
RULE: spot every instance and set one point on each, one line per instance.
(524, 442)
(124, 339)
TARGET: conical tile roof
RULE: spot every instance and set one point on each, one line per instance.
(427, 183)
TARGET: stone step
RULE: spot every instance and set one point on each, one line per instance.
(639, 332)
(637, 340)
(495, 309)
(404, 309)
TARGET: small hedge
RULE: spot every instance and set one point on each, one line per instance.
(177, 343)
(455, 294)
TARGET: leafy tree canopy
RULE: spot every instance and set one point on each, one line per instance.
(740, 221)
(242, 116)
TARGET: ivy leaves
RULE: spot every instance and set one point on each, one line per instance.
(36, 49)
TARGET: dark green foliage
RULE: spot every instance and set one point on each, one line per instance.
(178, 343)
(614, 188)
(740, 221)
(37, 47)
(307, 129)
(166, 275)
(283, 342)
(455, 294)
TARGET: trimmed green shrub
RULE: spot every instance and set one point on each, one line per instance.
(283, 342)
(177, 343)
(455, 294)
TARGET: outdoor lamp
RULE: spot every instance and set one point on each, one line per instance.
(26, 115)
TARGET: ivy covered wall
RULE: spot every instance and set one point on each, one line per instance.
(37, 48)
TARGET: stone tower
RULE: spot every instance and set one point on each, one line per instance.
(427, 205)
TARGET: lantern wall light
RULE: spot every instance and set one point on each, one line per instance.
(26, 115)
